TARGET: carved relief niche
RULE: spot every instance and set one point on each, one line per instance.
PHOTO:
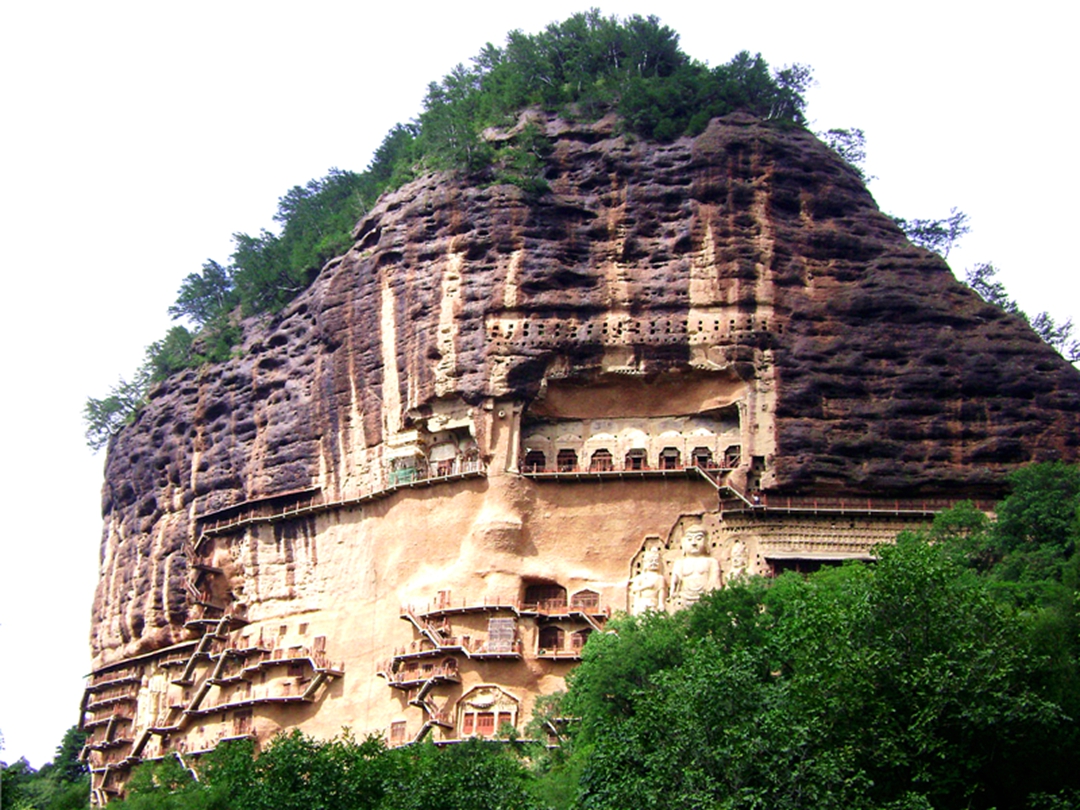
(484, 709)
(700, 554)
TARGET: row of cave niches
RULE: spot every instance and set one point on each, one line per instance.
(542, 331)
(637, 460)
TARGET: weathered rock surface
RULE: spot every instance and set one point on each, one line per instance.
(748, 265)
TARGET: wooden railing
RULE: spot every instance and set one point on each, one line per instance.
(263, 513)
(842, 504)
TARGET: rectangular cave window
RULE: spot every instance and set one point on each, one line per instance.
(485, 724)
(545, 595)
(669, 458)
(586, 600)
(467, 723)
(505, 719)
(397, 732)
(601, 461)
(303, 629)
(501, 635)
(283, 629)
(551, 638)
(242, 722)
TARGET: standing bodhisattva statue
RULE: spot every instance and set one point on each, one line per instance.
(648, 590)
(696, 572)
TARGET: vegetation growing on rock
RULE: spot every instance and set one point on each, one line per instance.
(582, 68)
(944, 675)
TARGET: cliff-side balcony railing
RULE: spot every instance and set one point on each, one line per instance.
(105, 680)
(105, 745)
(202, 623)
(267, 512)
(552, 654)
(471, 647)
(605, 472)
(412, 679)
(445, 607)
(318, 661)
(763, 502)
(205, 747)
(110, 700)
(553, 608)
(226, 678)
(298, 691)
(125, 716)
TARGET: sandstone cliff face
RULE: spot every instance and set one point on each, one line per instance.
(745, 260)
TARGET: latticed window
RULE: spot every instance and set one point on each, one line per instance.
(551, 638)
(578, 639)
(601, 461)
(702, 457)
(397, 732)
(586, 600)
(484, 724)
(502, 633)
(545, 594)
(669, 458)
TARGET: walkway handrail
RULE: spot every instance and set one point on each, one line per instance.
(255, 514)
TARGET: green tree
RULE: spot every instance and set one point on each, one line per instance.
(205, 296)
(62, 784)
(902, 684)
(104, 417)
(849, 144)
(982, 279)
(583, 67)
(936, 235)
(172, 353)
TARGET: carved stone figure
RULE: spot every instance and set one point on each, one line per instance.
(648, 590)
(740, 560)
(696, 572)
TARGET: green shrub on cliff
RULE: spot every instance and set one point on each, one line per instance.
(296, 772)
(582, 68)
(944, 675)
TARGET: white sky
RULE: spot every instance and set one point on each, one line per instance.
(137, 137)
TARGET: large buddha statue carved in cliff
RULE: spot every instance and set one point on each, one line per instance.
(648, 590)
(696, 572)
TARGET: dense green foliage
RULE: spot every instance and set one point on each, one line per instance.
(62, 784)
(944, 676)
(583, 67)
(298, 773)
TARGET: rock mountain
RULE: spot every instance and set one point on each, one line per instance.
(410, 497)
